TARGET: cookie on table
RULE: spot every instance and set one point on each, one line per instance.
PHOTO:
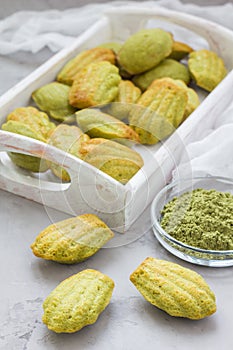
(72, 240)
(174, 289)
(77, 301)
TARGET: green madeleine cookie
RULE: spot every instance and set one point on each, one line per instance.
(144, 50)
(207, 69)
(99, 124)
(128, 94)
(67, 138)
(53, 98)
(94, 85)
(77, 301)
(113, 158)
(174, 289)
(68, 73)
(168, 68)
(193, 98)
(30, 122)
(159, 111)
(30, 163)
(72, 240)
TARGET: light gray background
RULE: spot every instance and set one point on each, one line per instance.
(10, 6)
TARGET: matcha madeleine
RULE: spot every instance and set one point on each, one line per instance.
(180, 50)
(72, 240)
(168, 68)
(207, 69)
(96, 84)
(34, 118)
(77, 301)
(144, 50)
(68, 73)
(53, 98)
(193, 98)
(113, 158)
(128, 94)
(159, 111)
(178, 291)
(99, 124)
(69, 139)
(30, 122)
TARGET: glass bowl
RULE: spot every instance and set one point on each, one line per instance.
(214, 258)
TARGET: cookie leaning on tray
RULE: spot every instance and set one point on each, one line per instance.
(139, 89)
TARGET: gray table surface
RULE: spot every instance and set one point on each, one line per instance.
(129, 322)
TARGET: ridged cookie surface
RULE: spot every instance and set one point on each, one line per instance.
(94, 85)
(30, 122)
(206, 68)
(177, 290)
(113, 158)
(72, 240)
(99, 124)
(68, 73)
(128, 94)
(77, 301)
(69, 139)
(159, 111)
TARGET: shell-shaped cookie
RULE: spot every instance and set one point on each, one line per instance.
(72, 240)
(99, 124)
(28, 121)
(207, 69)
(158, 112)
(68, 73)
(96, 84)
(193, 98)
(128, 94)
(35, 119)
(113, 158)
(69, 139)
(180, 50)
(77, 301)
(167, 68)
(174, 289)
(53, 98)
(144, 50)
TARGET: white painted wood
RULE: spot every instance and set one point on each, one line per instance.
(91, 190)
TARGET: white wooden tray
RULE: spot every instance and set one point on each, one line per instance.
(91, 190)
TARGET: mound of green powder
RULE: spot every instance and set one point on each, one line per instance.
(201, 218)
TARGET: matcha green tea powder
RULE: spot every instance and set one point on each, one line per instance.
(201, 218)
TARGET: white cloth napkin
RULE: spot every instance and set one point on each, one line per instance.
(31, 31)
(211, 155)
